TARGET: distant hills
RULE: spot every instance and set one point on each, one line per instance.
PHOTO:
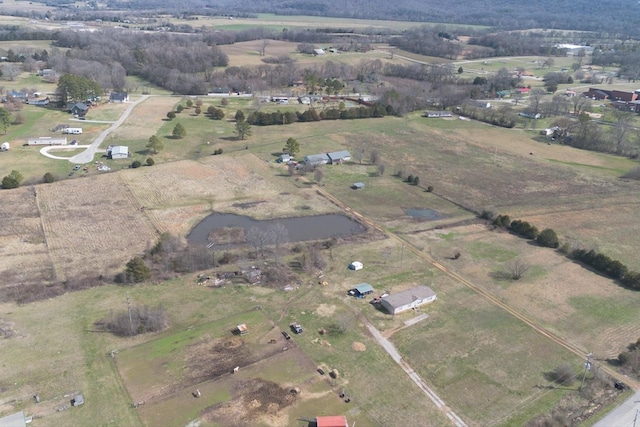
(616, 17)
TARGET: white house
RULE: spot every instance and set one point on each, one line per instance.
(4, 146)
(118, 152)
(47, 140)
(407, 300)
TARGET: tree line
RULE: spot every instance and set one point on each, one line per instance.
(601, 263)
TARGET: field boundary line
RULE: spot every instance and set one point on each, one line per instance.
(138, 204)
(45, 229)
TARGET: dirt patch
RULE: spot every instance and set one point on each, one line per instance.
(358, 346)
(252, 400)
(325, 310)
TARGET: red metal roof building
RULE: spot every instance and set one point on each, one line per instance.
(332, 421)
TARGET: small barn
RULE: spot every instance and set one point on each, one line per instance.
(362, 290)
(332, 421)
(4, 146)
(77, 400)
(409, 299)
(358, 185)
(242, 329)
(284, 158)
(118, 152)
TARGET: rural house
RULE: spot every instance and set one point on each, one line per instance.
(47, 140)
(116, 152)
(77, 108)
(432, 114)
(316, 159)
(409, 299)
(119, 97)
(337, 157)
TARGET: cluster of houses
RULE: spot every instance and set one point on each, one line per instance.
(629, 101)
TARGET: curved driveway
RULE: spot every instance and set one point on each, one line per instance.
(87, 155)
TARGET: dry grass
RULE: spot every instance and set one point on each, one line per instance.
(145, 120)
(92, 225)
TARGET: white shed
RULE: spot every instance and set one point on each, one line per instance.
(4, 146)
(409, 299)
(118, 152)
(356, 265)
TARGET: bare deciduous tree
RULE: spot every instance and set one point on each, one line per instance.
(515, 269)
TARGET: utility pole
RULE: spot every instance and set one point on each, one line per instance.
(129, 310)
(587, 367)
(401, 255)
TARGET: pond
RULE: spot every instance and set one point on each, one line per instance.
(316, 227)
(423, 213)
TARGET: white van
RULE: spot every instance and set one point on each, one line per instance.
(73, 131)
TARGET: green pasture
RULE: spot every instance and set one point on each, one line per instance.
(484, 363)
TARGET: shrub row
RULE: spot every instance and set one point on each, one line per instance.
(260, 118)
(548, 238)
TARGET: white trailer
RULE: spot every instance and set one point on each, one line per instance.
(73, 131)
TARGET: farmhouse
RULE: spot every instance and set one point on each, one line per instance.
(119, 97)
(32, 101)
(47, 140)
(337, 157)
(332, 421)
(78, 108)
(316, 159)
(409, 299)
(116, 152)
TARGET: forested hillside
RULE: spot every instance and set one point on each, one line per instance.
(616, 16)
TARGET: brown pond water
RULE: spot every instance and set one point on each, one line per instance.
(302, 228)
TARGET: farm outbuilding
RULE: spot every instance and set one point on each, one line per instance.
(118, 152)
(361, 290)
(242, 329)
(409, 299)
(332, 421)
(14, 420)
(118, 97)
(316, 159)
(356, 265)
(4, 146)
(358, 185)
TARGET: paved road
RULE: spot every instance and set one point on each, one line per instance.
(625, 415)
(87, 155)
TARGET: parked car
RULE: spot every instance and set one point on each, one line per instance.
(76, 167)
(619, 385)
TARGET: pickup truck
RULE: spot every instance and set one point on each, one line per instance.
(296, 328)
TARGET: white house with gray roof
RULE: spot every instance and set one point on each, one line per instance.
(407, 300)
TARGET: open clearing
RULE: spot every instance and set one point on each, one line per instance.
(470, 352)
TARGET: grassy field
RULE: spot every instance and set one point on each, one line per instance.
(470, 352)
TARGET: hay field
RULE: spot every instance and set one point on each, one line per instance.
(92, 225)
(25, 256)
